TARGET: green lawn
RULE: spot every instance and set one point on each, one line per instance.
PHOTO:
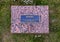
(54, 18)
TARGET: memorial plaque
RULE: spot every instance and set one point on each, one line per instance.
(29, 19)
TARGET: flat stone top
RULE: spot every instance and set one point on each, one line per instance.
(29, 19)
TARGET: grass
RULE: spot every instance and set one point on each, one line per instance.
(5, 16)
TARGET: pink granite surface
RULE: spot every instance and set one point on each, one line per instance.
(18, 27)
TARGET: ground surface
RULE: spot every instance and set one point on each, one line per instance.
(54, 15)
